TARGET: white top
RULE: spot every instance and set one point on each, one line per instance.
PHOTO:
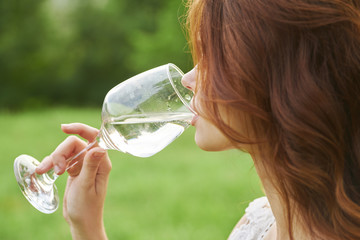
(259, 220)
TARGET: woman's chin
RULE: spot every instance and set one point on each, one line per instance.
(211, 145)
(210, 138)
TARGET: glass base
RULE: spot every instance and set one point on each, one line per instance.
(39, 190)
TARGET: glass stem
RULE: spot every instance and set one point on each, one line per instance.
(52, 176)
(70, 160)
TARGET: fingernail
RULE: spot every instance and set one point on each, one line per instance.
(99, 154)
(56, 169)
(64, 125)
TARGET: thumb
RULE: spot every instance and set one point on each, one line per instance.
(91, 165)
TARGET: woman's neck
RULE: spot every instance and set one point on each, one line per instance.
(278, 208)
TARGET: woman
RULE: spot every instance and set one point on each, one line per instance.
(279, 79)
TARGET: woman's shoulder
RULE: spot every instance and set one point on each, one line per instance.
(255, 223)
(257, 208)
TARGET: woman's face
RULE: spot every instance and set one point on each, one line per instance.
(207, 136)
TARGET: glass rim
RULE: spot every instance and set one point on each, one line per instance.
(187, 104)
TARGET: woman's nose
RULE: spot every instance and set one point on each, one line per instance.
(188, 80)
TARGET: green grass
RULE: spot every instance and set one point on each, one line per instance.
(180, 193)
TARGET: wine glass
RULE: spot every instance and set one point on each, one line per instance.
(140, 116)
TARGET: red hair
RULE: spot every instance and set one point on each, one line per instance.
(290, 71)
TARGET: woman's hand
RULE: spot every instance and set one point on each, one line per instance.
(87, 182)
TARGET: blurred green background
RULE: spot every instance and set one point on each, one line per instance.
(73, 51)
(58, 59)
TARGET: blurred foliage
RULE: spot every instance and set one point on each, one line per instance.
(62, 52)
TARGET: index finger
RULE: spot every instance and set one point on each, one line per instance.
(83, 130)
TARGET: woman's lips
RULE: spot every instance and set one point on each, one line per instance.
(194, 120)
